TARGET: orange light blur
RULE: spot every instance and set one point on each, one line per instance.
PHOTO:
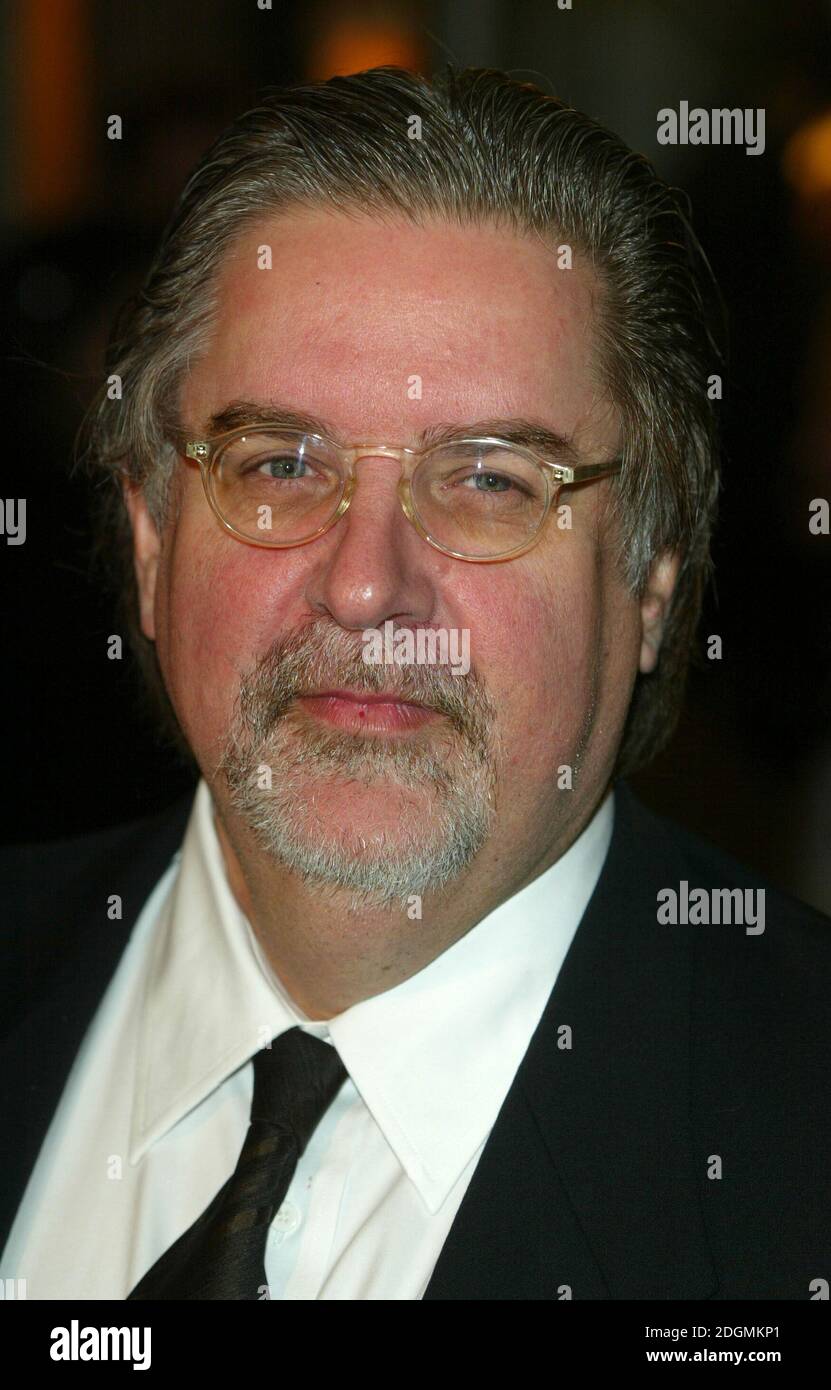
(51, 107)
(806, 161)
(351, 45)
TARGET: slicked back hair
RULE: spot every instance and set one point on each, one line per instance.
(491, 150)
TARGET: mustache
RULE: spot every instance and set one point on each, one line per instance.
(321, 656)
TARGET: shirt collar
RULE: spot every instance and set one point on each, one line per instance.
(458, 1027)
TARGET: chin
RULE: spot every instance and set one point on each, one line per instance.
(378, 840)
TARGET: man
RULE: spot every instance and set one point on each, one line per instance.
(414, 999)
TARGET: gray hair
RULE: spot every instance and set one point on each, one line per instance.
(492, 150)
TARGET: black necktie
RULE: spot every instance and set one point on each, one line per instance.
(222, 1255)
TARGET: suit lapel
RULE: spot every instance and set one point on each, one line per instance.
(588, 1187)
(66, 956)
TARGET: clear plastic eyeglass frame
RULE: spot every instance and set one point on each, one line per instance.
(208, 452)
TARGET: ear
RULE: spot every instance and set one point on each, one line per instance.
(146, 551)
(655, 606)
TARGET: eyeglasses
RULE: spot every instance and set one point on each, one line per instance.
(474, 499)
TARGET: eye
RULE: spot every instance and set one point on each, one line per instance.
(282, 466)
(480, 474)
(490, 482)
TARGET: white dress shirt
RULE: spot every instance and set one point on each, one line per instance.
(156, 1106)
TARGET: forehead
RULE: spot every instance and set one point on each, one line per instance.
(380, 327)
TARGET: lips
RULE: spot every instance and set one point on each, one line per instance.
(380, 711)
(362, 697)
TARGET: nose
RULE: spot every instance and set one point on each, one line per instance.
(372, 565)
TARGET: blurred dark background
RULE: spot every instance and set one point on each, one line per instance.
(751, 764)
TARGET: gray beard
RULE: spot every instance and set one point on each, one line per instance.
(274, 756)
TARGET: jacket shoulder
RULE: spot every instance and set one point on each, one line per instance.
(55, 894)
(703, 864)
(761, 957)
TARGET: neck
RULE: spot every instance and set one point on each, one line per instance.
(330, 953)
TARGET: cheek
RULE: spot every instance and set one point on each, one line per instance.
(538, 649)
(216, 614)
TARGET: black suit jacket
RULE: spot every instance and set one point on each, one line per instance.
(687, 1042)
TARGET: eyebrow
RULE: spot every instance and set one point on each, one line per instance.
(516, 430)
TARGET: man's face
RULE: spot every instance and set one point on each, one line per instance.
(351, 312)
